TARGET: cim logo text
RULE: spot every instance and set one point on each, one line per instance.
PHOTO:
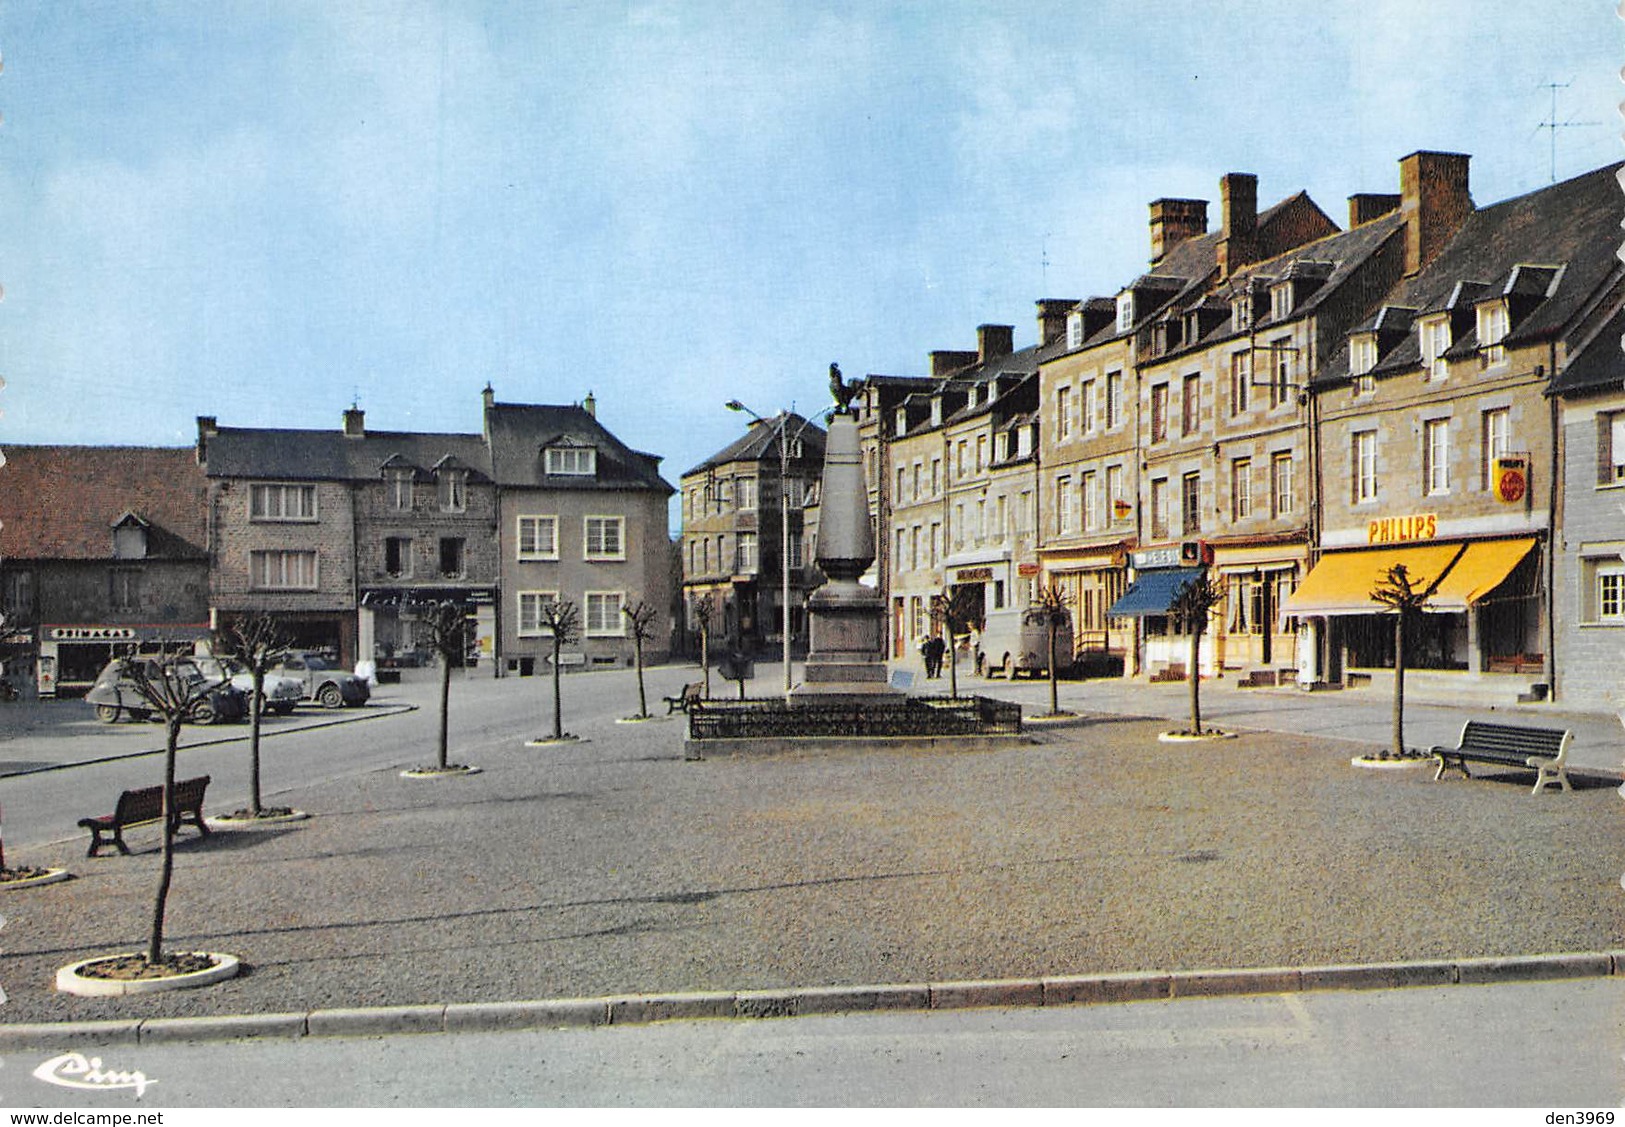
(75, 1070)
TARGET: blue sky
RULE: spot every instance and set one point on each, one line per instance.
(265, 210)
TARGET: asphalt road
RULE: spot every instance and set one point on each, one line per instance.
(398, 727)
(1548, 1046)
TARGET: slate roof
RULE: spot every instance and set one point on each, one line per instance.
(1573, 225)
(331, 455)
(61, 502)
(760, 442)
(1600, 365)
(521, 431)
(1192, 263)
(1332, 259)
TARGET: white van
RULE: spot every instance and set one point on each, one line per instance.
(1017, 641)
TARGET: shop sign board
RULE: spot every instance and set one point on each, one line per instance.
(1402, 530)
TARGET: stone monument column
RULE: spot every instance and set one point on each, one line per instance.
(846, 654)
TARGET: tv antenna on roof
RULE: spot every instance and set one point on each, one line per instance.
(1552, 125)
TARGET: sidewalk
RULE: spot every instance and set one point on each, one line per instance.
(612, 867)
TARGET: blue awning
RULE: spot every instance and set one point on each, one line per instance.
(1152, 592)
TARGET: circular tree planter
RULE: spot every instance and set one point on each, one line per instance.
(1050, 717)
(1186, 737)
(640, 719)
(450, 770)
(268, 816)
(80, 978)
(549, 741)
(30, 877)
(1391, 762)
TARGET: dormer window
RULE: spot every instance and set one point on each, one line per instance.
(1435, 342)
(1363, 358)
(1001, 447)
(453, 485)
(1125, 311)
(936, 411)
(1024, 441)
(130, 538)
(1074, 330)
(1492, 331)
(902, 421)
(1241, 313)
(398, 484)
(572, 461)
(1281, 301)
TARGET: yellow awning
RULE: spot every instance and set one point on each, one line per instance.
(1342, 582)
(1482, 568)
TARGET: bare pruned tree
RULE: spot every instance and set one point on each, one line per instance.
(1054, 603)
(445, 628)
(176, 691)
(258, 642)
(562, 619)
(640, 619)
(705, 610)
(1406, 597)
(1193, 605)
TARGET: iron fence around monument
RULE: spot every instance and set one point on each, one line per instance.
(884, 717)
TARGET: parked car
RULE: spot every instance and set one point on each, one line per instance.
(282, 693)
(327, 686)
(1017, 641)
(116, 693)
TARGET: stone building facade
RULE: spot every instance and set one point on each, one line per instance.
(1440, 437)
(733, 534)
(102, 552)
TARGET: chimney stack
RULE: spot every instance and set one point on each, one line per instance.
(590, 405)
(1435, 202)
(994, 341)
(1052, 315)
(1366, 206)
(1238, 233)
(1174, 221)
(488, 399)
(354, 424)
(207, 427)
(945, 361)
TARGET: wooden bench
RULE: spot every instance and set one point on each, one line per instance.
(689, 696)
(147, 805)
(1546, 750)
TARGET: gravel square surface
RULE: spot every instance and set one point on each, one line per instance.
(613, 866)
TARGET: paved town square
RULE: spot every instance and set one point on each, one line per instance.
(613, 866)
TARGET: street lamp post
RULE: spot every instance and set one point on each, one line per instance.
(780, 425)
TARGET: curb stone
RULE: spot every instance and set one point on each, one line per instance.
(633, 1009)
